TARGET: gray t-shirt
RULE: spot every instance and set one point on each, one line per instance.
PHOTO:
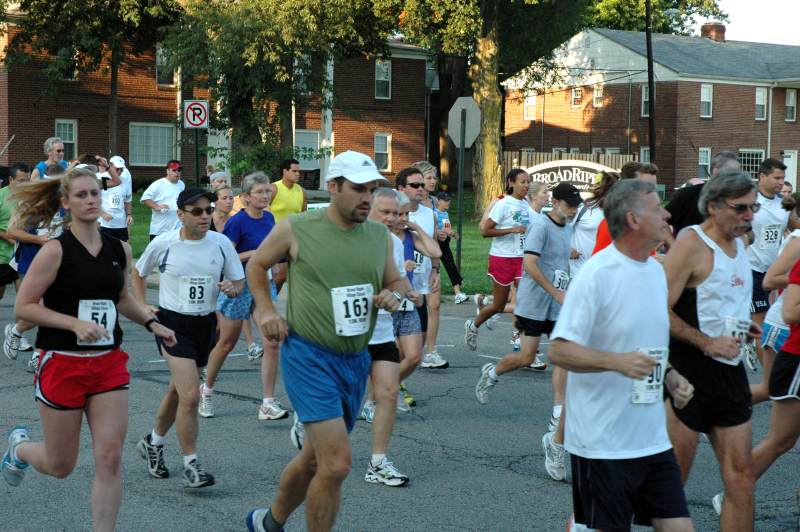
(551, 243)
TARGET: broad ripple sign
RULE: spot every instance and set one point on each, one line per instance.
(578, 173)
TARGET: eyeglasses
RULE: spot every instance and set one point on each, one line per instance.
(178, 169)
(60, 151)
(198, 211)
(741, 208)
(415, 185)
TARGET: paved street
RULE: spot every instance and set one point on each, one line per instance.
(472, 467)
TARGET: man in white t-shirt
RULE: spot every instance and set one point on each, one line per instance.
(162, 196)
(769, 225)
(613, 336)
(116, 206)
(195, 266)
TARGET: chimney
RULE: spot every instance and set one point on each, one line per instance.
(713, 30)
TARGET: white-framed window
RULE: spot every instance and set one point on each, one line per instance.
(383, 79)
(790, 115)
(383, 151)
(704, 163)
(306, 141)
(750, 159)
(645, 101)
(761, 103)
(644, 154)
(529, 107)
(577, 96)
(706, 100)
(164, 75)
(612, 151)
(574, 149)
(558, 150)
(597, 96)
(67, 130)
(151, 144)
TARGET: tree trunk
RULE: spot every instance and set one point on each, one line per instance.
(486, 164)
(452, 81)
(113, 104)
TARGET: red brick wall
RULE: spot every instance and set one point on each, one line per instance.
(31, 115)
(4, 134)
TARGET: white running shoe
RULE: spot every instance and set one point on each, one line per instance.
(471, 335)
(385, 473)
(433, 360)
(402, 407)
(538, 364)
(297, 433)
(11, 343)
(554, 457)
(33, 363)
(254, 352)
(515, 340)
(206, 406)
(491, 322)
(368, 411)
(716, 502)
(460, 298)
(195, 477)
(13, 468)
(552, 425)
(272, 411)
(485, 383)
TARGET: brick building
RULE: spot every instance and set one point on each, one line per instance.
(147, 126)
(711, 95)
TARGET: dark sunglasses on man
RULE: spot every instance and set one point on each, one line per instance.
(198, 211)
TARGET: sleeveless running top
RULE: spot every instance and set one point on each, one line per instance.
(329, 257)
(81, 282)
(287, 200)
(725, 294)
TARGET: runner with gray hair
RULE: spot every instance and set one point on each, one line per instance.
(710, 287)
(625, 197)
(54, 150)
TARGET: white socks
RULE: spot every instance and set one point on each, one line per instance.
(266, 401)
(492, 373)
(187, 459)
(155, 439)
(205, 390)
(376, 459)
(557, 411)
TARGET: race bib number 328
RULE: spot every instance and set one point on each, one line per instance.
(352, 309)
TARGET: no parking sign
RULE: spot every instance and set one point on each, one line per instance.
(195, 114)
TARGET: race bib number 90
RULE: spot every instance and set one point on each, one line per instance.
(102, 312)
(352, 309)
(648, 389)
(196, 294)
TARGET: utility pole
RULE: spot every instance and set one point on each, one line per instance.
(651, 86)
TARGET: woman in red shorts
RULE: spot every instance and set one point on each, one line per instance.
(507, 224)
(74, 291)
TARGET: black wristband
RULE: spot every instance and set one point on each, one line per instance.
(148, 322)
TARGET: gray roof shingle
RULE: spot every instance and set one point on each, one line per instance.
(702, 57)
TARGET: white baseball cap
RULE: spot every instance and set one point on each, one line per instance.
(117, 161)
(355, 167)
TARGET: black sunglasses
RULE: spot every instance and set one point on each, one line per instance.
(740, 208)
(415, 185)
(197, 211)
(178, 169)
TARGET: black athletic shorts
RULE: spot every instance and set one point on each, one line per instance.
(119, 234)
(423, 314)
(760, 302)
(533, 328)
(721, 391)
(611, 494)
(387, 351)
(784, 381)
(7, 275)
(196, 335)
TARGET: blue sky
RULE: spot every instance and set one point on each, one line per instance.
(772, 21)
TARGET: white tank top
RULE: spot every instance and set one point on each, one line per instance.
(726, 292)
(774, 314)
(425, 219)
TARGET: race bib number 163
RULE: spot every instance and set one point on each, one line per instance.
(352, 309)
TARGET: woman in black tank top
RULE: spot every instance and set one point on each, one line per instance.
(73, 290)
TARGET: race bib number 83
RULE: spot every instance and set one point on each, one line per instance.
(352, 309)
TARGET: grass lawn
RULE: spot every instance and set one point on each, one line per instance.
(474, 248)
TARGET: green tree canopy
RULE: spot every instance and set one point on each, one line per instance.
(669, 16)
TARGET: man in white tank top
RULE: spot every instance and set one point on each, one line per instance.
(710, 287)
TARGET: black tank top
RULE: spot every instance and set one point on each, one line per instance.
(83, 277)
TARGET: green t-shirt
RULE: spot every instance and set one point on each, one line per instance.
(6, 211)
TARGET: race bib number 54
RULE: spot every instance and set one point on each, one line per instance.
(102, 312)
(352, 308)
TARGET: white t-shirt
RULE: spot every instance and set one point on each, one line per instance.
(769, 223)
(164, 192)
(384, 324)
(619, 305)
(424, 218)
(510, 212)
(127, 181)
(584, 234)
(190, 270)
(114, 200)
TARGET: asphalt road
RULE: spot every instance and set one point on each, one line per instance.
(472, 466)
